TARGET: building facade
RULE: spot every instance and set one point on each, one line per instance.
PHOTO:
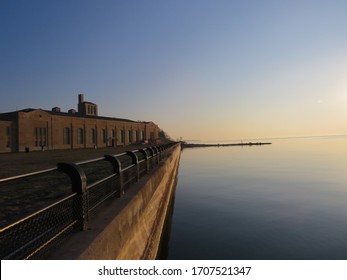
(37, 129)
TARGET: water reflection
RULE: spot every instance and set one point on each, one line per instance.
(283, 201)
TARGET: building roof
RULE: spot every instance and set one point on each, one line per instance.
(8, 116)
(87, 102)
(87, 116)
(11, 115)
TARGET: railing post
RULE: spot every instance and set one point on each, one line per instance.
(160, 148)
(151, 151)
(117, 168)
(79, 186)
(146, 159)
(152, 155)
(156, 153)
(136, 162)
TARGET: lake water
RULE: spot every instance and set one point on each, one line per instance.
(287, 200)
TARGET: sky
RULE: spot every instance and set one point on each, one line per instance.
(201, 70)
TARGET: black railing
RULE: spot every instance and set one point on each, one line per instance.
(53, 217)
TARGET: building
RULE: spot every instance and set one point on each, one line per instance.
(37, 129)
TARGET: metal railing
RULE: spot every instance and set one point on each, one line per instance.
(51, 219)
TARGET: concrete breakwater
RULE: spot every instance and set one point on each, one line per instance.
(187, 145)
(132, 227)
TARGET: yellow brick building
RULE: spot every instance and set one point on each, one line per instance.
(37, 129)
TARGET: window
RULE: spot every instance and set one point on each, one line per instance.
(137, 136)
(130, 136)
(80, 136)
(66, 136)
(36, 136)
(113, 134)
(121, 136)
(103, 136)
(40, 136)
(142, 135)
(92, 136)
(44, 137)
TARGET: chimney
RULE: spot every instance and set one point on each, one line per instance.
(80, 98)
(72, 111)
(56, 109)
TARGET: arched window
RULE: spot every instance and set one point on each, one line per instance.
(92, 136)
(103, 136)
(122, 136)
(130, 136)
(66, 136)
(80, 136)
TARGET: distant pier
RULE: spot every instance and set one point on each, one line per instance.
(187, 145)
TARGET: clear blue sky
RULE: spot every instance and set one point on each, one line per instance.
(199, 69)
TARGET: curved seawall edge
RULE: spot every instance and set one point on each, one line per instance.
(129, 228)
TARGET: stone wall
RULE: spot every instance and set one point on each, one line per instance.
(129, 228)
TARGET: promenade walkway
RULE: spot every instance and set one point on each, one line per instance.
(13, 164)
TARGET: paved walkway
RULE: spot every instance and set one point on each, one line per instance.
(20, 163)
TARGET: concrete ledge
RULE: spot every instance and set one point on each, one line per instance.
(129, 228)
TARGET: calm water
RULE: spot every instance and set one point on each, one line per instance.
(287, 200)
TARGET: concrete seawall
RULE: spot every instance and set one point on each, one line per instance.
(130, 227)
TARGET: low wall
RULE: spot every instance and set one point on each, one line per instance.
(129, 228)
